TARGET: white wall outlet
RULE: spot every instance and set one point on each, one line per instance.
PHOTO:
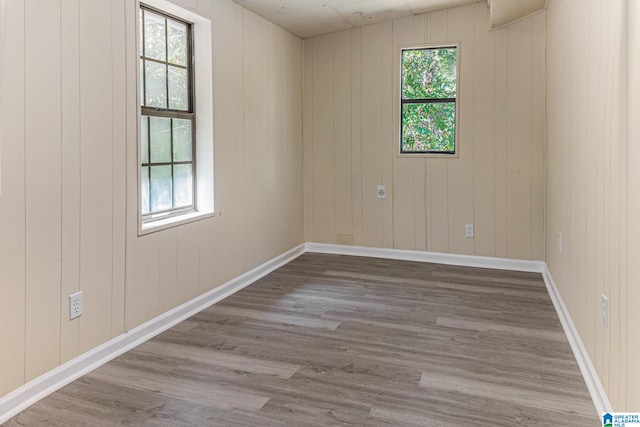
(468, 230)
(605, 310)
(382, 192)
(75, 305)
(559, 242)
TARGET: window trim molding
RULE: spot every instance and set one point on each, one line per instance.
(202, 44)
(397, 114)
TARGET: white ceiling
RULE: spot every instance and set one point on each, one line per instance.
(504, 12)
(308, 18)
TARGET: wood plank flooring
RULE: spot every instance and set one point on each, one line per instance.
(338, 340)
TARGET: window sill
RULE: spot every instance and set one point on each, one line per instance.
(163, 224)
(407, 155)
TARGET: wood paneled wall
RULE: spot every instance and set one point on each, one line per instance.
(592, 181)
(68, 217)
(350, 140)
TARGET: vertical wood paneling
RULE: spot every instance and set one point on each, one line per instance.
(590, 300)
(537, 136)
(43, 185)
(372, 174)
(119, 176)
(386, 121)
(404, 201)
(187, 264)
(460, 172)
(255, 135)
(483, 134)
(632, 392)
(419, 165)
(165, 260)
(619, 369)
(70, 109)
(96, 218)
(601, 188)
(69, 201)
(223, 262)
(307, 131)
(616, 329)
(590, 97)
(12, 201)
(356, 135)
(323, 139)
(135, 272)
(519, 141)
(500, 144)
(429, 200)
(342, 137)
(576, 233)
(437, 169)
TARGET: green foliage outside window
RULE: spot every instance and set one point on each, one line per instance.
(428, 100)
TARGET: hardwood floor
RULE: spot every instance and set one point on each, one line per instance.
(336, 340)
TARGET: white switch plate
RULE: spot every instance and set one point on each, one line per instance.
(605, 310)
(382, 192)
(75, 305)
(468, 230)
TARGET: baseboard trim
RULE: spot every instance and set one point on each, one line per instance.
(596, 390)
(434, 257)
(23, 397)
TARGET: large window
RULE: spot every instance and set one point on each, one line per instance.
(428, 100)
(167, 122)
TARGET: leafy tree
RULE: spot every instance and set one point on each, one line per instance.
(429, 84)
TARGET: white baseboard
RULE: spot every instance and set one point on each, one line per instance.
(434, 257)
(28, 394)
(598, 395)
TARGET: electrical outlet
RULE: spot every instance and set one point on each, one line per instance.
(75, 305)
(559, 242)
(382, 192)
(468, 230)
(605, 310)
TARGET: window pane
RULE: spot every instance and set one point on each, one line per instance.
(178, 88)
(145, 190)
(154, 36)
(183, 183)
(177, 38)
(144, 139)
(160, 188)
(142, 83)
(181, 140)
(160, 139)
(155, 84)
(140, 41)
(428, 127)
(429, 73)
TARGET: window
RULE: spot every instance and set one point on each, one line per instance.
(428, 103)
(167, 122)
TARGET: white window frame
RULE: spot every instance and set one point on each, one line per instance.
(203, 179)
(398, 102)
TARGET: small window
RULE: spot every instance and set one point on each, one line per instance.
(167, 122)
(428, 100)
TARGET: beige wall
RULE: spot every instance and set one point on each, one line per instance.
(68, 197)
(592, 182)
(350, 140)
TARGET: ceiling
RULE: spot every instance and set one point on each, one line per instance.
(504, 12)
(308, 18)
